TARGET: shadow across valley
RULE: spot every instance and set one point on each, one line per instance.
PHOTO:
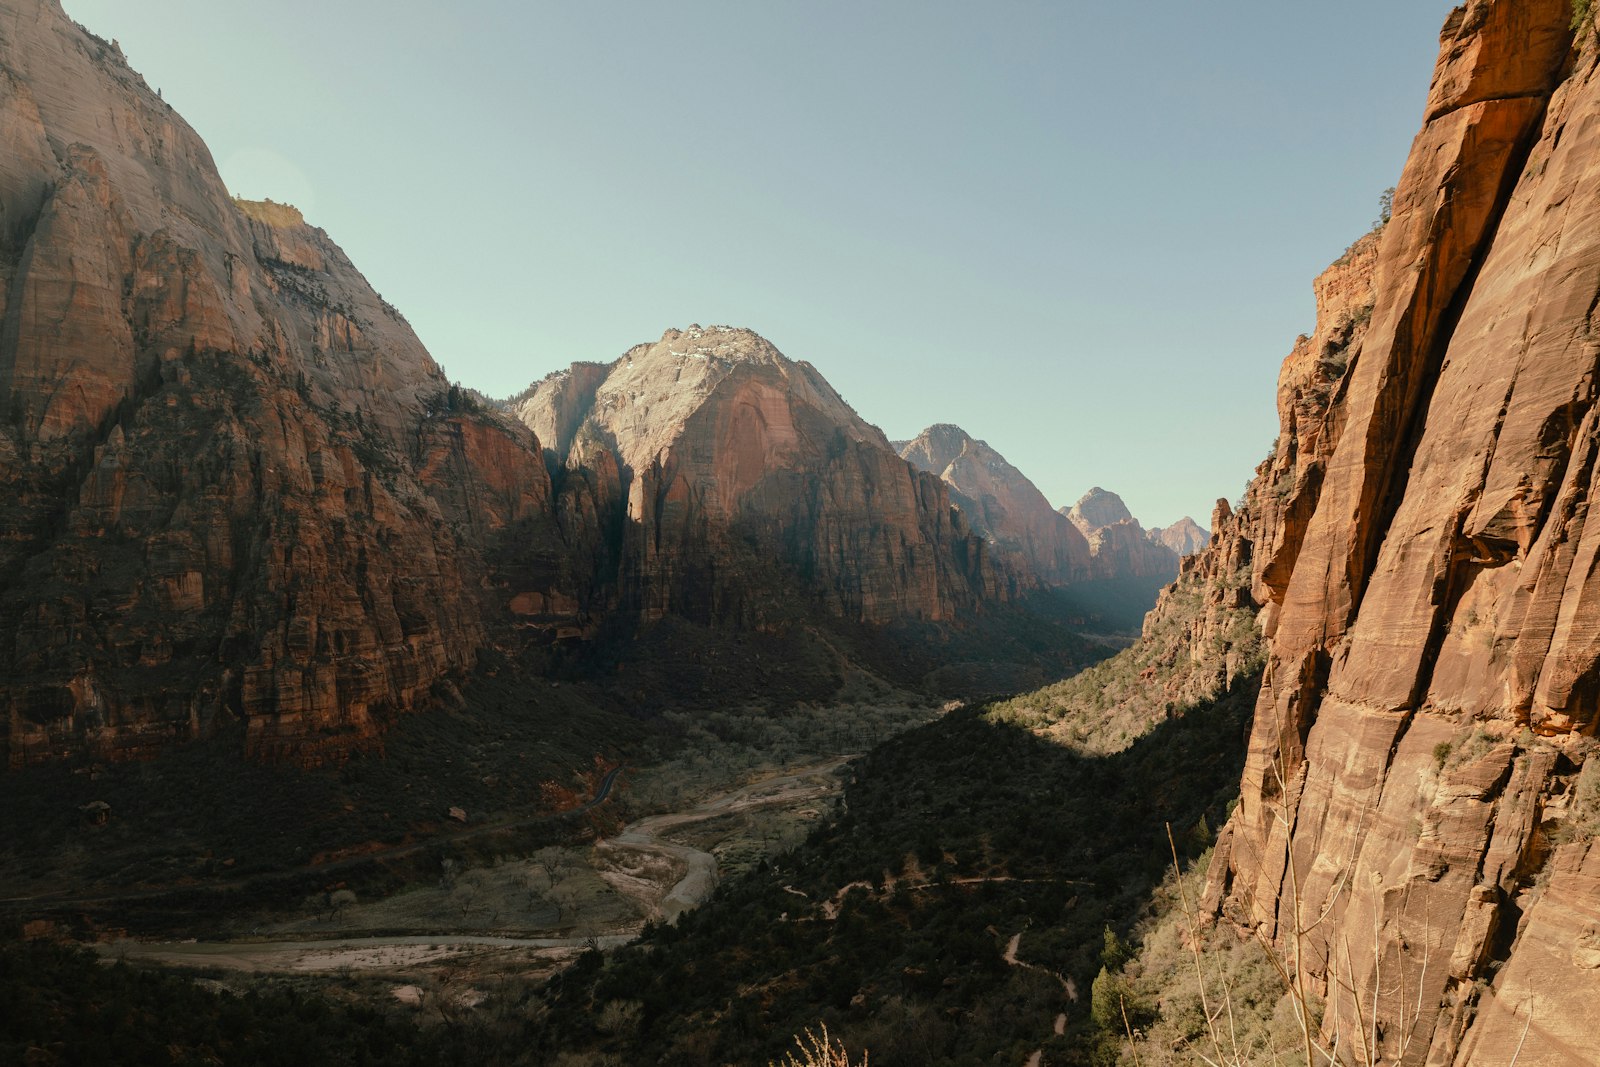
(954, 909)
(198, 837)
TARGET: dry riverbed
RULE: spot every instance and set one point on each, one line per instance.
(559, 902)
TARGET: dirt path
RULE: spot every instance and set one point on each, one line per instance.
(699, 868)
(1069, 989)
(1068, 986)
(830, 908)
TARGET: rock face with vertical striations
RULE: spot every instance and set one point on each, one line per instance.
(231, 485)
(736, 477)
(1415, 797)
(1001, 504)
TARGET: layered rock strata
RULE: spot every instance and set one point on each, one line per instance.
(234, 490)
(735, 475)
(1415, 830)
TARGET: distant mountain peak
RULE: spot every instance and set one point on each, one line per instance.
(1185, 537)
(1098, 508)
(1000, 502)
(644, 400)
(946, 431)
(940, 445)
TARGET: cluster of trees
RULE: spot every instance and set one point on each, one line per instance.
(964, 833)
(177, 819)
(63, 1006)
(890, 925)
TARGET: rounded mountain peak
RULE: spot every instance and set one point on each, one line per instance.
(729, 344)
(645, 402)
(947, 433)
(1099, 507)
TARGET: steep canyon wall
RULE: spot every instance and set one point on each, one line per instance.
(1414, 830)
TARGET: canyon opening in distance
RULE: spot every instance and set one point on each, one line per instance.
(655, 706)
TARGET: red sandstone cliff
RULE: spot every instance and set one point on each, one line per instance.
(232, 487)
(236, 492)
(1001, 504)
(736, 476)
(1416, 824)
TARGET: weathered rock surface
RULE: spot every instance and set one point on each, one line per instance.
(1118, 546)
(1002, 504)
(1426, 579)
(736, 476)
(1096, 509)
(1184, 537)
(233, 487)
(236, 493)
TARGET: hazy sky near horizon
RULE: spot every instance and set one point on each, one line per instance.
(1086, 232)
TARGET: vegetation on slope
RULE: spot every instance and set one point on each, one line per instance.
(509, 750)
(1178, 972)
(981, 876)
(63, 1006)
(892, 923)
(976, 882)
(956, 910)
(1201, 638)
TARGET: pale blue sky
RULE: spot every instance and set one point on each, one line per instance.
(1086, 232)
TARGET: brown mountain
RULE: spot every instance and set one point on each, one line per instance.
(237, 491)
(1118, 546)
(738, 477)
(1417, 814)
(233, 484)
(1001, 503)
(1184, 537)
(1096, 509)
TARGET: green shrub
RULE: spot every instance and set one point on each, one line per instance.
(1386, 200)
(1116, 951)
(1114, 1005)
